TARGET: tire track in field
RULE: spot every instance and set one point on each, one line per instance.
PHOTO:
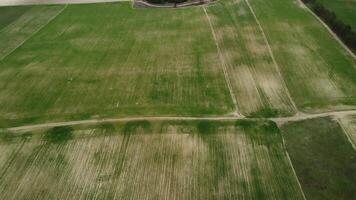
(122, 154)
(223, 64)
(12, 159)
(292, 166)
(272, 56)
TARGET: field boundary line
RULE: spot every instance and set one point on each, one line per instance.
(291, 165)
(34, 33)
(279, 121)
(345, 132)
(272, 56)
(328, 29)
(223, 64)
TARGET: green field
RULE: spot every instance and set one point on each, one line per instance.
(323, 158)
(344, 10)
(240, 67)
(146, 160)
(103, 60)
(60, 63)
(319, 73)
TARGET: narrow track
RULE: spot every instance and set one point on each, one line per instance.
(223, 64)
(278, 120)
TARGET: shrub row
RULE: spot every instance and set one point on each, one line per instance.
(165, 1)
(344, 31)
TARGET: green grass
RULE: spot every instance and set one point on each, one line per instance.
(344, 10)
(319, 73)
(105, 60)
(323, 158)
(150, 160)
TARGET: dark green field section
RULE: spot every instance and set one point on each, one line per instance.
(103, 60)
(319, 73)
(10, 14)
(344, 10)
(148, 160)
(323, 158)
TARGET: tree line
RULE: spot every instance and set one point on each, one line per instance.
(165, 1)
(342, 30)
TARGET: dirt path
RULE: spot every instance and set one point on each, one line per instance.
(303, 116)
(223, 64)
(37, 2)
(279, 121)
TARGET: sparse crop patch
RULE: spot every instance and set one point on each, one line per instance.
(318, 72)
(197, 164)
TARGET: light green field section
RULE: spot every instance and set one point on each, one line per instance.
(144, 160)
(256, 81)
(103, 60)
(349, 125)
(323, 158)
(18, 24)
(319, 73)
(345, 10)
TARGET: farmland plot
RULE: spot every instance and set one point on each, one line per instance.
(323, 158)
(319, 73)
(344, 10)
(17, 24)
(349, 124)
(103, 60)
(255, 78)
(143, 160)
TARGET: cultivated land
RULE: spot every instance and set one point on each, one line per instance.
(104, 101)
(323, 158)
(108, 59)
(145, 160)
(255, 78)
(319, 73)
(344, 10)
(348, 123)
